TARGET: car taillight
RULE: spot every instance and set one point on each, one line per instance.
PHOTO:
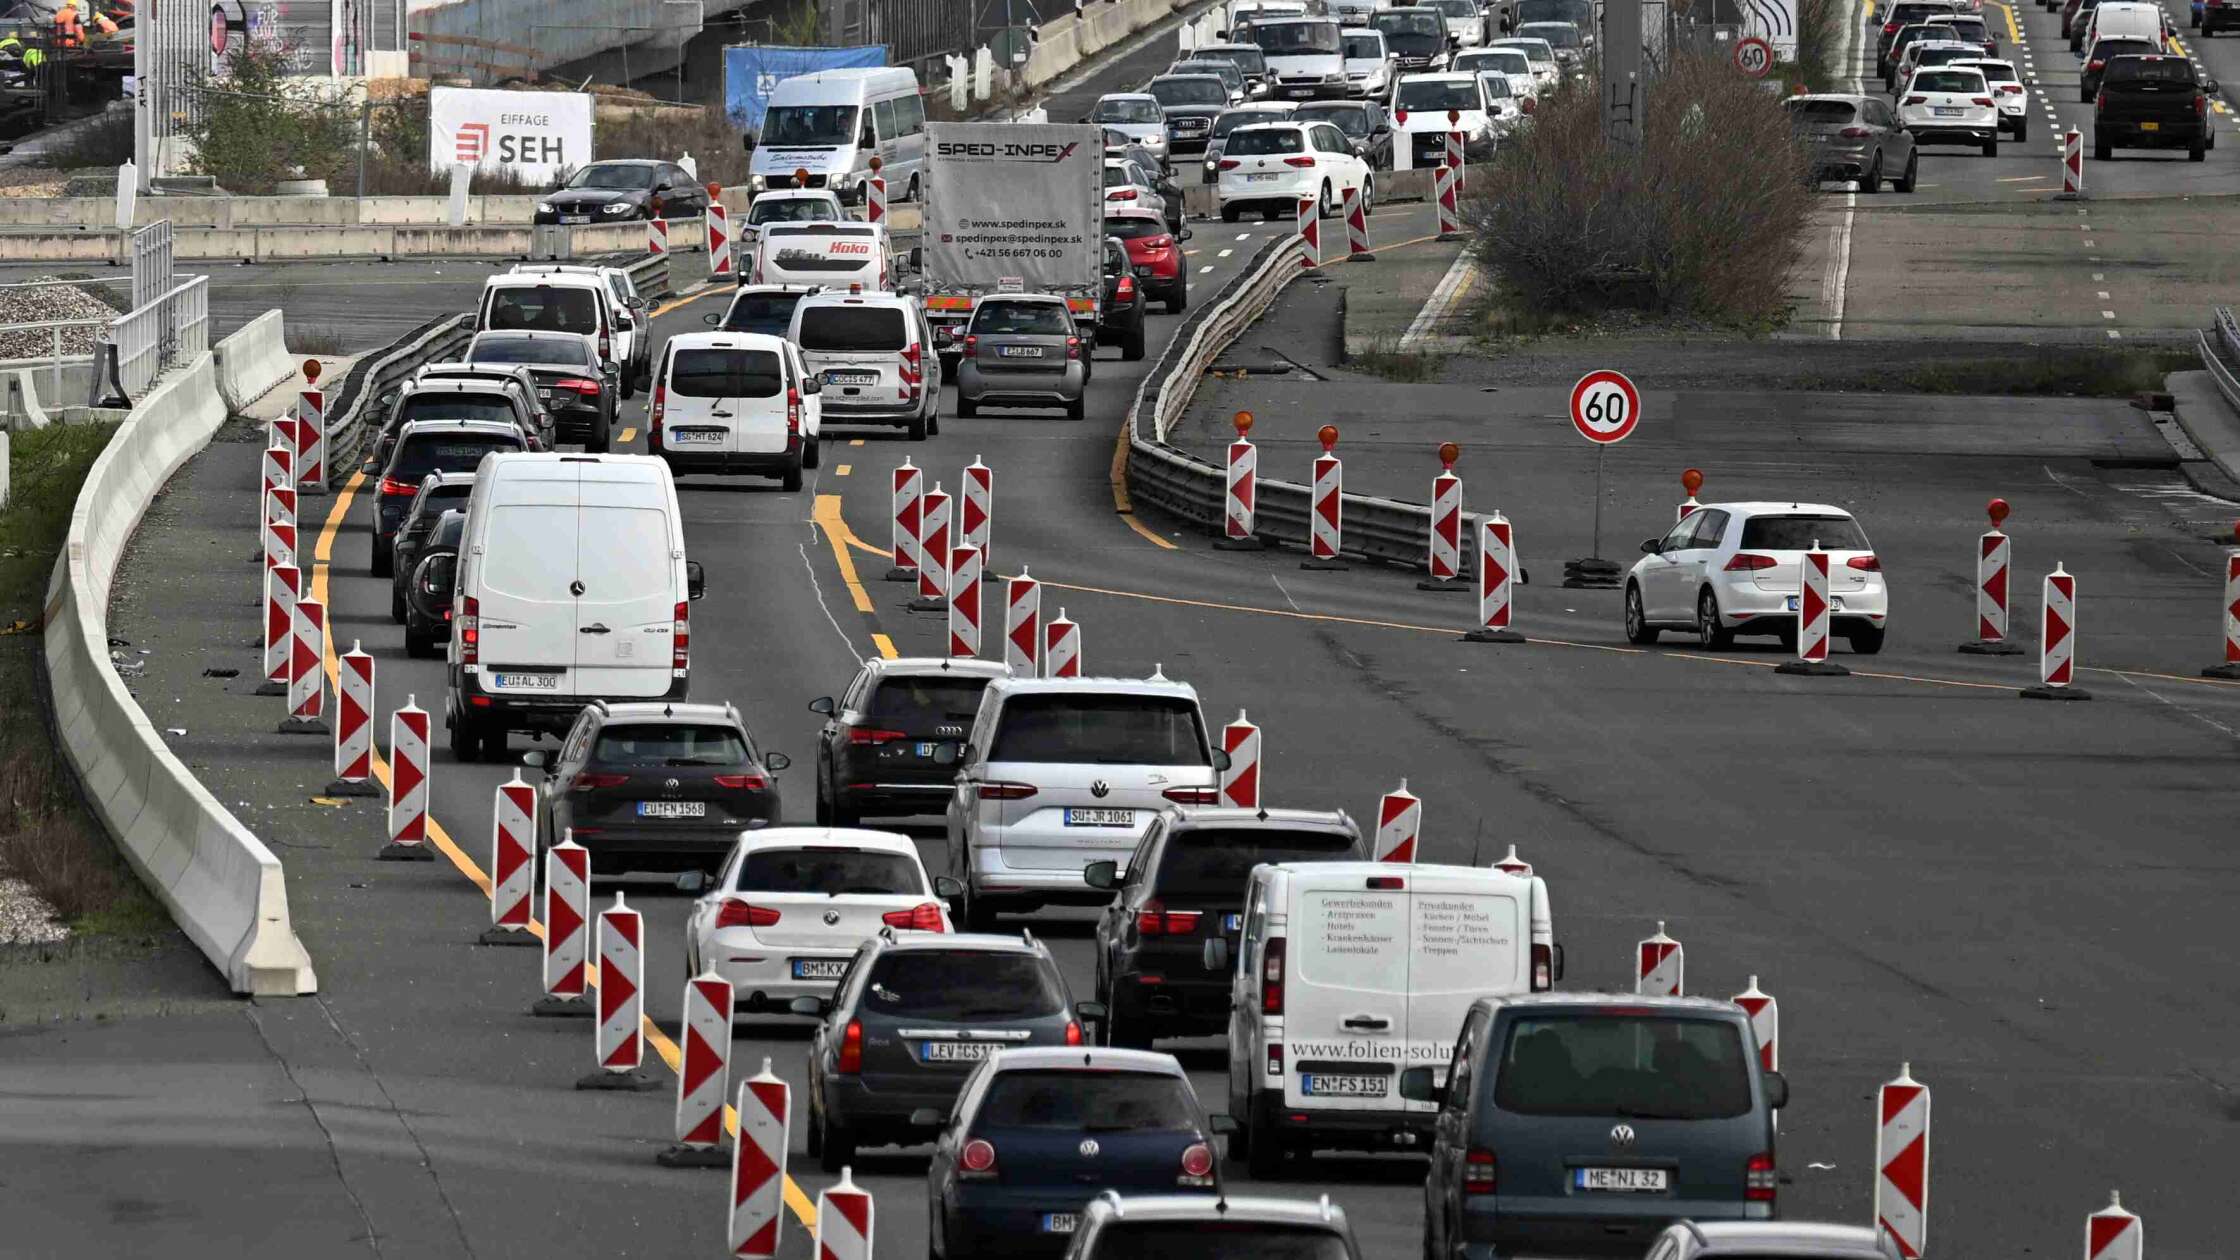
(1197, 1165)
(1527, 106)
(1125, 290)
(2094, 64)
(873, 735)
(741, 782)
(1275, 1058)
(1855, 133)
(1157, 244)
(1479, 1173)
(793, 413)
(978, 1159)
(923, 917)
(606, 347)
(1073, 1033)
(1156, 920)
(1192, 795)
(1004, 791)
(1271, 977)
(971, 347)
(660, 405)
(1121, 194)
(1302, 161)
(1759, 1180)
(851, 1048)
(1230, 164)
(680, 636)
(1917, 100)
(2010, 89)
(2100, 102)
(1889, 28)
(470, 630)
(391, 485)
(1543, 968)
(1073, 347)
(1984, 101)
(1744, 562)
(1865, 564)
(578, 385)
(736, 913)
(590, 780)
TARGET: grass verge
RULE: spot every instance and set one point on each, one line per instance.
(1385, 358)
(2081, 372)
(47, 837)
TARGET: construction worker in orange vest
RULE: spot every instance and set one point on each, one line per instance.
(68, 32)
(103, 25)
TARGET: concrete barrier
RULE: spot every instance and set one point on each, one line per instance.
(300, 241)
(253, 361)
(220, 883)
(99, 214)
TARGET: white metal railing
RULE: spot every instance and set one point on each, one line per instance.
(54, 357)
(169, 330)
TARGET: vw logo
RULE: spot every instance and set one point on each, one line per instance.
(1100, 789)
(670, 784)
(1621, 1135)
(1089, 1148)
(833, 916)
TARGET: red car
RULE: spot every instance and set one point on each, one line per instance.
(1156, 257)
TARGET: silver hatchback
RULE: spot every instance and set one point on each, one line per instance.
(1023, 350)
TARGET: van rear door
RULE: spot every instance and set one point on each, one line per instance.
(1345, 1006)
(525, 563)
(1471, 936)
(628, 599)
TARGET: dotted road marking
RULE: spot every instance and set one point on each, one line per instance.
(629, 434)
(844, 469)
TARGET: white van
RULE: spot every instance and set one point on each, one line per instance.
(1243, 11)
(1306, 54)
(2124, 19)
(1420, 108)
(1348, 973)
(829, 255)
(732, 403)
(629, 313)
(873, 354)
(572, 586)
(576, 301)
(831, 123)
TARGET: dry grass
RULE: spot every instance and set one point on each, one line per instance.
(316, 339)
(1385, 358)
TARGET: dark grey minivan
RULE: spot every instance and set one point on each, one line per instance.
(1584, 1123)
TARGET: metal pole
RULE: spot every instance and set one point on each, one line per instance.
(1599, 447)
(365, 128)
(1621, 72)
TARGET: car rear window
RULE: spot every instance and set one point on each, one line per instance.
(1271, 140)
(1438, 94)
(669, 744)
(1134, 229)
(1798, 533)
(1230, 1240)
(1364, 47)
(427, 504)
(1034, 318)
(927, 697)
(1086, 1102)
(567, 351)
(423, 453)
(1236, 118)
(1351, 119)
(1823, 111)
(853, 329)
(2149, 70)
(1947, 81)
(1121, 730)
(963, 984)
(449, 406)
(1641, 1066)
(2109, 49)
(1127, 111)
(789, 210)
(1173, 92)
(768, 313)
(548, 308)
(1969, 29)
(1216, 861)
(721, 372)
(1996, 72)
(832, 872)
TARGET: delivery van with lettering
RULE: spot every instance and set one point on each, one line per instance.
(831, 255)
(1347, 974)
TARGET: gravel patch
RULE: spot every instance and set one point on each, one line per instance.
(45, 302)
(25, 919)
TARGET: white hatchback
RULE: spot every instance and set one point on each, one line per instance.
(2007, 89)
(792, 904)
(1735, 568)
(1951, 105)
(1271, 167)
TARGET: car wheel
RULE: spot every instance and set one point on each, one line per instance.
(1324, 207)
(2102, 150)
(1368, 197)
(2084, 94)
(1230, 214)
(1871, 182)
(1991, 147)
(1912, 178)
(1711, 632)
(396, 605)
(1638, 629)
(1123, 1032)
(967, 408)
(602, 436)
(916, 428)
(1240, 1141)
(418, 643)
(979, 916)
(824, 802)
(466, 741)
(493, 744)
(2199, 152)
(812, 453)
(933, 418)
(1078, 408)
(1264, 1161)
(792, 478)
(384, 560)
(839, 1148)
(1131, 347)
(813, 1143)
(2022, 129)
(1866, 640)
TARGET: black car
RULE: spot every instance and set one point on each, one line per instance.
(890, 743)
(423, 447)
(1416, 36)
(427, 604)
(1121, 313)
(439, 493)
(572, 384)
(2096, 62)
(913, 1015)
(1182, 887)
(1365, 126)
(1191, 102)
(2157, 102)
(621, 190)
(655, 785)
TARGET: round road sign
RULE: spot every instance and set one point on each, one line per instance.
(1753, 57)
(1605, 406)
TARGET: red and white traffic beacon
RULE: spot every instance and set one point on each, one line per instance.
(1994, 557)
(1690, 481)
(1241, 495)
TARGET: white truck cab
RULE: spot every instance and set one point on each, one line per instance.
(1348, 973)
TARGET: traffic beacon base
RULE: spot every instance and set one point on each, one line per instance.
(631, 1082)
(679, 1155)
(1812, 669)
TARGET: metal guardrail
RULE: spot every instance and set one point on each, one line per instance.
(165, 332)
(54, 360)
(350, 419)
(2219, 364)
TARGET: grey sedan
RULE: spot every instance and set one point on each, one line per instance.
(1023, 350)
(1856, 138)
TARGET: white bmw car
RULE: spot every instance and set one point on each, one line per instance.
(1736, 568)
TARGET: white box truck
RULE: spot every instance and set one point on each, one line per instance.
(1010, 207)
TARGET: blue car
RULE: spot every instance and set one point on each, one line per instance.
(1037, 1133)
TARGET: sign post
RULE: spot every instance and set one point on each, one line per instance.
(1605, 407)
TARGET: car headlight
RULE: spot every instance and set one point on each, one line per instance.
(544, 207)
(758, 182)
(619, 207)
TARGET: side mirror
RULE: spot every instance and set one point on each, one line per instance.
(947, 888)
(824, 705)
(1418, 1084)
(1215, 954)
(1777, 1090)
(664, 186)
(1221, 760)
(813, 1007)
(1222, 1126)
(695, 580)
(1091, 1012)
(1651, 546)
(813, 385)
(2210, 87)
(928, 1118)
(437, 576)
(1104, 875)
(692, 881)
(776, 762)
(1383, 129)
(917, 258)
(712, 320)
(537, 759)
(1559, 964)
(608, 368)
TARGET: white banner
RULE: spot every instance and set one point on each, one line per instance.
(535, 135)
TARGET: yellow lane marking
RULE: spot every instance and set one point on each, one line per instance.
(855, 441)
(843, 470)
(1145, 530)
(2014, 32)
(687, 300)
(827, 516)
(628, 435)
(885, 646)
(796, 1200)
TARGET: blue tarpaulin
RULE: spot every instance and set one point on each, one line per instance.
(751, 71)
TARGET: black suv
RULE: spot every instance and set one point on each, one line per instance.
(439, 493)
(1121, 321)
(2152, 102)
(890, 743)
(1182, 888)
(914, 1013)
(655, 786)
(424, 447)
(427, 603)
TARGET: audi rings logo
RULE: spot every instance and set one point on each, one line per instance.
(1621, 1136)
(1089, 1148)
(1100, 789)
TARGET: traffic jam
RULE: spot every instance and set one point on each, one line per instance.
(1362, 1003)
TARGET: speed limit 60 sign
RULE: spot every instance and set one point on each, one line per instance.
(1605, 406)
(1753, 57)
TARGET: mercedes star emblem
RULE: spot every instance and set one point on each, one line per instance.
(1621, 1135)
(833, 916)
(1100, 789)
(1089, 1148)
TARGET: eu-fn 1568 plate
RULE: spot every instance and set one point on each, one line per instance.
(1622, 1180)
(672, 809)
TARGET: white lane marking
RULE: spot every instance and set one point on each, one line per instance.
(2059, 480)
(1838, 276)
(2202, 718)
(2113, 335)
(1244, 236)
(2088, 245)
(2099, 275)
(2103, 314)
(1225, 253)
(1450, 290)
(823, 605)
(1206, 270)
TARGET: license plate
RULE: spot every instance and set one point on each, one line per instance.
(819, 968)
(1232, 923)
(575, 218)
(2150, 126)
(696, 437)
(1019, 352)
(1322, 1086)
(955, 1051)
(544, 395)
(672, 809)
(1620, 1180)
(1835, 604)
(1144, 269)
(525, 682)
(1947, 111)
(1263, 177)
(925, 749)
(1076, 817)
(1059, 1222)
(851, 378)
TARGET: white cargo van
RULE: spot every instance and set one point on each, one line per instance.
(831, 123)
(572, 586)
(1348, 973)
(726, 402)
(825, 254)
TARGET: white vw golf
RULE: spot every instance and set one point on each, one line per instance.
(1735, 568)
